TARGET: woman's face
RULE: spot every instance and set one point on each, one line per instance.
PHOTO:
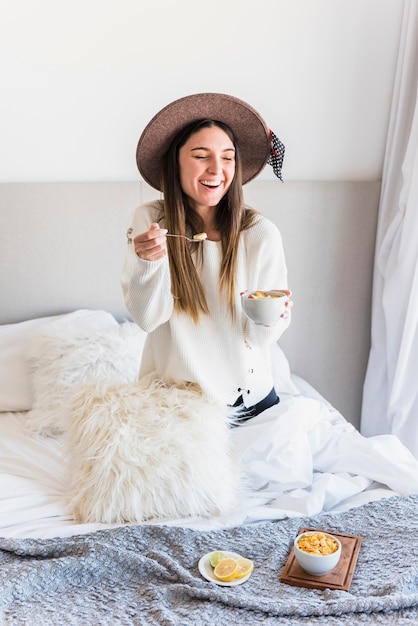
(207, 166)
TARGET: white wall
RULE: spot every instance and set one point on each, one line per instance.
(81, 78)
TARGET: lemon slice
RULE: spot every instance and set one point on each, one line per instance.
(245, 567)
(226, 569)
(215, 557)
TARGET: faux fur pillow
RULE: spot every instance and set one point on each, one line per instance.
(60, 361)
(149, 450)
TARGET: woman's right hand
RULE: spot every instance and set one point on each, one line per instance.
(151, 245)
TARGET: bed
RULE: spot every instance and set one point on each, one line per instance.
(302, 464)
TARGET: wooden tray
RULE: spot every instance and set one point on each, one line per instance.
(338, 578)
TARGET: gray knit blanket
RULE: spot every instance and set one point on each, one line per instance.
(149, 575)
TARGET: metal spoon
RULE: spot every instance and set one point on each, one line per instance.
(197, 237)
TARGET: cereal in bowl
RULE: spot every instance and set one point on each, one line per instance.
(317, 543)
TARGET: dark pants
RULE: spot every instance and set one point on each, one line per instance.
(244, 413)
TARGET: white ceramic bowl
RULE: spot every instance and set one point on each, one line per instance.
(317, 564)
(267, 310)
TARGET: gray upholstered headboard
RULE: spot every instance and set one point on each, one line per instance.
(62, 247)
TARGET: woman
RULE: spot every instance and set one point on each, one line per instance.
(199, 151)
(301, 456)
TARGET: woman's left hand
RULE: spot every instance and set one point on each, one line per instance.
(288, 303)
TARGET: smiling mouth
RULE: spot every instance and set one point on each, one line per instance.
(210, 184)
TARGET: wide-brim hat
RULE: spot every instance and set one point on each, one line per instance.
(249, 128)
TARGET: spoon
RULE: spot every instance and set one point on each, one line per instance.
(197, 237)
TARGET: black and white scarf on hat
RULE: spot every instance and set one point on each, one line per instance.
(276, 157)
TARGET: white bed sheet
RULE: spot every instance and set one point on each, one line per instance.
(300, 458)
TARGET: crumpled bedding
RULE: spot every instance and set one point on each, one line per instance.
(299, 458)
(303, 458)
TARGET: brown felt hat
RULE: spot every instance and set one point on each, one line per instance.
(249, 128)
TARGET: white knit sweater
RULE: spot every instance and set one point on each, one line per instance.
(226, 358)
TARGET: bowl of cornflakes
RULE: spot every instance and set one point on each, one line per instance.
(264, 307)
(317, 552)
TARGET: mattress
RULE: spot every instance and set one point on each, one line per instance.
(298, 458)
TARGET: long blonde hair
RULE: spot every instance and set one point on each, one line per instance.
(231, 218)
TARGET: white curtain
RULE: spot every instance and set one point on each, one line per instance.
(390, 397)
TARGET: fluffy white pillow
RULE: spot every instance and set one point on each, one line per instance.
(15, 385)
(149, 450)
(62, 357)
(15, 391)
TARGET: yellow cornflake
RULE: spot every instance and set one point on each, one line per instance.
(317, 543)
